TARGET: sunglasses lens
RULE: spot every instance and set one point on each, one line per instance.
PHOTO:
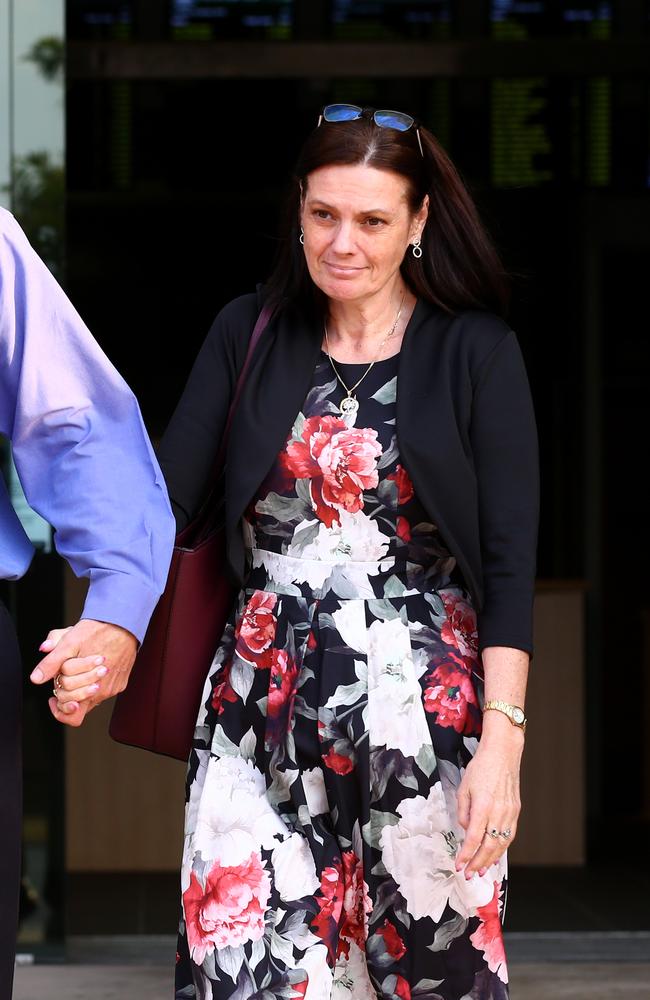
(394, 119)
(341, 112)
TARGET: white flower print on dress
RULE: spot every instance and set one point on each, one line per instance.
(396, 717)
(351, 979)
(315, 964)
(235, 817)
(420, 853)
(313, 784)
(357, 538)
(294, 868)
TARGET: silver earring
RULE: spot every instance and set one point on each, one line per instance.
(302, 236)
(416, 249)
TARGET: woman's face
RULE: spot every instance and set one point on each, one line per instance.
(358, 226)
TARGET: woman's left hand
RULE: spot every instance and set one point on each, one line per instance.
(488, 795)
(84, 682)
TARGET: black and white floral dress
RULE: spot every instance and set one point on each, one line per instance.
(342, 706)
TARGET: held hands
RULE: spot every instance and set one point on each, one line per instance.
(89, 662)
(488, 795)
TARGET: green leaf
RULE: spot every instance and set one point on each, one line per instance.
(448, 932)
(242, 675)
(372, 830)
(347, 694)
(387, 393)
(394, 587)
(222, 745)
(383, 609)
(426, 759)
(230, 960)
(247, 744)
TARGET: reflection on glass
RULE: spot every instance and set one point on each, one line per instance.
(521, 19)
(416, 19)
(205, 19)
(32, 187)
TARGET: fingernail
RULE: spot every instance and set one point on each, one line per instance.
(101, 671)
(99, 660)
(46, 644)
(94, 687)
(468, 874)
(36, 675)
(71, 707)
(482, 871)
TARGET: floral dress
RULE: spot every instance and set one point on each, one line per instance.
(343, 703)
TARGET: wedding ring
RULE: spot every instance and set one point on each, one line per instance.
(57, 685)
(493, 832)
(505, 833)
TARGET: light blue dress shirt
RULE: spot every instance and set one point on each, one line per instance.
(80, 447)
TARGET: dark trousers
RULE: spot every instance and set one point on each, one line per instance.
(11, 797)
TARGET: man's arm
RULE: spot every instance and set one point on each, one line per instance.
(81, 450)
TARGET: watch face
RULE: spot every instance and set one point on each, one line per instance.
(518, 715)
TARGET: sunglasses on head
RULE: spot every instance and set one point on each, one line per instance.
(383, 118)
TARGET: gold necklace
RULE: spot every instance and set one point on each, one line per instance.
(350, 404)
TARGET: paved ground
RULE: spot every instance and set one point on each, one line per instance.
(562, 981)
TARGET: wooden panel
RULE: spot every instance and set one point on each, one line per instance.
(124, 809)
(552, 822)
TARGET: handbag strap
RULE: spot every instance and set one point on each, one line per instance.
(197, 528)
(261, 324)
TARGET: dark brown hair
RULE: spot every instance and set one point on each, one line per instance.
(459, 268)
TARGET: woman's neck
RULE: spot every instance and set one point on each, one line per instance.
(355, 330)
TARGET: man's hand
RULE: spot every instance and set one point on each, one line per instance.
(94, 660)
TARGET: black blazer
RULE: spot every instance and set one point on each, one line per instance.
(465, 428)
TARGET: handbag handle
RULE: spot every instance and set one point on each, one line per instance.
(261, 324)
(201, 524)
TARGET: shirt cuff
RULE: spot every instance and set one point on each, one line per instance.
(120, 600)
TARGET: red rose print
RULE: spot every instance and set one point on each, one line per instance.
(403, 529)
(356, 904)
(488, 936)
(402, 989)
(330, 906)
(222, 690)
(460, 629)
(451, 694)
(404, 484)
(311, 640)
(255, 629)
(392, 940)
(338, 762)
(340, 463)
(229, 909)
(282, 695)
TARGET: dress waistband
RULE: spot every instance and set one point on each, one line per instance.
(352, 578)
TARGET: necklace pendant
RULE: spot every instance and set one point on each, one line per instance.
(348, 406)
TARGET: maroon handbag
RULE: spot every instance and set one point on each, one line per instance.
(158, 709)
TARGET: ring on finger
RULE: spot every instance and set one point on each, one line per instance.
(57, 685)
(493, 832)
(506, 833)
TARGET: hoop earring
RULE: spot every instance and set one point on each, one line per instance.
(416, 249)
(302, 236)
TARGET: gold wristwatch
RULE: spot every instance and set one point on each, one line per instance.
(514, 712)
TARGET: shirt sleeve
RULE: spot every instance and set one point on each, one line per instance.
(79, 442)
(505, 449)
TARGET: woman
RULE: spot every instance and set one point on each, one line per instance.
(350, 796)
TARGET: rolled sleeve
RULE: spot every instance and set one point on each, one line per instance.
(80, 446)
